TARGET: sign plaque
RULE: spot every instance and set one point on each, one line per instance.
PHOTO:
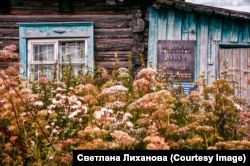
(175, 58)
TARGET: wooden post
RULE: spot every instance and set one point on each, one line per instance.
(137, 48)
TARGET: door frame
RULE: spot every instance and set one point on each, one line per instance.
(226, 45)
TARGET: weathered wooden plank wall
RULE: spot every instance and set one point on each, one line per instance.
(211, 31)
(112, 28)
(235, 67)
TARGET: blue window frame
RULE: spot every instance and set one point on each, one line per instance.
(44, 46)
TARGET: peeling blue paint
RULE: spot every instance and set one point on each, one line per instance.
(210, 32)
(55, 30)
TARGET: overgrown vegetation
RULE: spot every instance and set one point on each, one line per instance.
(42, 122)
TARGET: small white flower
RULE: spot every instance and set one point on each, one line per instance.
(51, 107)
(47, 127)
(74, 107)
(72, 99)
(98, 115)
(129, 124)
(238, 107)
(38, 104)
(85, 109)
(104, 110)
(59, 89)
(126, 116)
(63, 97)
(54, 101)
(58, 95)
(54, 131)
(110, 111)
(96, 129)
(73, 114)
(32, 142)
(78, 103)
(50, 111)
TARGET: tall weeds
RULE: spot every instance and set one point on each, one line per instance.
(103, 110)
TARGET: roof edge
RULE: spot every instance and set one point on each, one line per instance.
(203, 9)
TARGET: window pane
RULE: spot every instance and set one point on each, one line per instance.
(38, 71)
(75, 70)
(43, 52)
(73, 51)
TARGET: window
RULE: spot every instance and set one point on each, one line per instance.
(46, 55)
(47, 48)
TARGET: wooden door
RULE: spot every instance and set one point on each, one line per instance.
(234, 64)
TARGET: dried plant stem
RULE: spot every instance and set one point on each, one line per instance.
(7, 84)
(16, 118)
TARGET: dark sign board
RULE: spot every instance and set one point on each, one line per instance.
(175, 58)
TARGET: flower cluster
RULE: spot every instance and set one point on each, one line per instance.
(117, 90)
(122, 140)
(147, 81)
(8, 53)
(41, 122)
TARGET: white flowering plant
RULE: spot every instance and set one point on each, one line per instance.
(42, 122)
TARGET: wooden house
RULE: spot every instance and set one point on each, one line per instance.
(182, 39)
(188, 40)
(100, 30)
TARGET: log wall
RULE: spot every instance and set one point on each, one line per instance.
(112, 24)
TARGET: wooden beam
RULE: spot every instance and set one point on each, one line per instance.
(66, 5)
(5, 6)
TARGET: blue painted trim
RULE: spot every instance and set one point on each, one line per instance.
(85, 27)
(153, 38)
(28, 24)
(23, 52)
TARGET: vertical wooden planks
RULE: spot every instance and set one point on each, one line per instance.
(226, 30)
(177, 25)
(236, 71)
(192, 27)
(244, 74)
(248, 75)
(229, 66)
(162, 25)
(214, 46)
(153, 38)
(248, 30)
(188, 26)
(202, 44)
(231, 31)
(185, 26)
(235, 26)
(222, 61)
(241, 32)
(170, 25)
(209, 31)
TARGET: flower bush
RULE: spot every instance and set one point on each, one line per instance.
(41, 122)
